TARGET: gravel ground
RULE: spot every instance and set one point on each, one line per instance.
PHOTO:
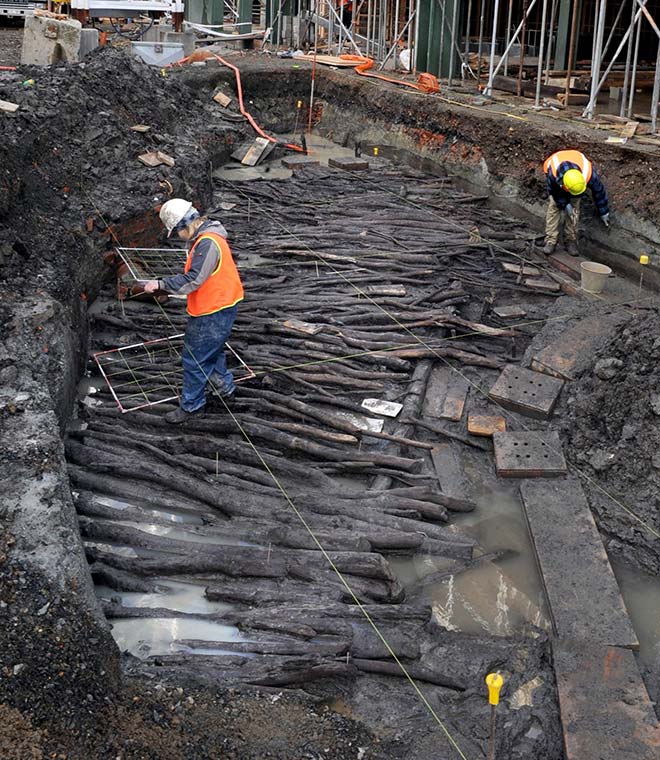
(11, 39)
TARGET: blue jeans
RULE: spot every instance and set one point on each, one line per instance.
(203, 357)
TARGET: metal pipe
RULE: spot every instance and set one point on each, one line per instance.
(482, 4)
(508, 37)
(467, 37)
(441, 47)
(413, 58)
(633, 76)
(539, 70)
(489, 86)
(553, 19)
(454, 24)
(521, 63)
(612, 30)
(594, 36)
(491, 64)
(571, 48)
(595, 63)
(368, 35)
(626, 76)
(411, 14)
(656, 92)
(397, 37)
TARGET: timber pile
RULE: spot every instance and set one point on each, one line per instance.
(410, 269)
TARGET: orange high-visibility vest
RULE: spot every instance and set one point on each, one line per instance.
(223, 288)
(554, 161)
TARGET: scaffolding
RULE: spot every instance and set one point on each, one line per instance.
(600, 56)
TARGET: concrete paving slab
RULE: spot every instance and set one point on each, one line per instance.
(347, 163)
(582, 592)
(606, 713)
(531, 454)
(526, 392)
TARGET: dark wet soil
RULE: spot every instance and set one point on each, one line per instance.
(11, 40)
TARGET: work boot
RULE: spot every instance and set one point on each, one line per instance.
(181, 415)
(549, 248)
(572, 248)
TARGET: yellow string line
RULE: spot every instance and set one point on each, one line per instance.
(322, 549)
(359, 290)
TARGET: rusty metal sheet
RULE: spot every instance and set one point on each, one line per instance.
(446, 394)
(582, 592)
(606, 713)
(526, 392)
(532, 454)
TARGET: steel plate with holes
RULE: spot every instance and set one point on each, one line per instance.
(530, 454)
(527, 392)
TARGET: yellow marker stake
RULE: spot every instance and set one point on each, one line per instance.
(494, 681)
(300, 104)
(375, 151)
(643, 260)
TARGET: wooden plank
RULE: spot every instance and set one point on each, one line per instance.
(480, 424)
(582, 592)
(150, 159)
(571, 352)
(299, 163)
(567, 264)
(515, 269)
(256, 153)
(449, 470)
(526, 392)
(8, 107)
(509, 312)
(140, 128)
(222, 99)
(445, 394)
(606, 713)
(348, 163)
(165, 158)
(304, 327)
(532, 454)
(542, 284)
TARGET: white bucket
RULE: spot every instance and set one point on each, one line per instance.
(594, 276)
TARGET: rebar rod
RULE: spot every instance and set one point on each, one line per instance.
(539, 70)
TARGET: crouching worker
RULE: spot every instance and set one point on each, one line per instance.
(568, 175)
(213, 286)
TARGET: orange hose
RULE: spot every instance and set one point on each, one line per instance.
(248, 116)
(425, 82)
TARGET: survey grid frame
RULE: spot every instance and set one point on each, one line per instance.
(120, 368)
(145, 264)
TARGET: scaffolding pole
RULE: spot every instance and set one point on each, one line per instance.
(482, 4)
(633, 75)
(553, 19)
(509, 17)
(571, 48)
(454, 26)
(539, 70)
(491, 64)
(626, 76)
(656, 92)
(596, 62)
(489, 86)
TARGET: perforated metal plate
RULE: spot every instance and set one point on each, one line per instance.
(527, 392)
(530, 454)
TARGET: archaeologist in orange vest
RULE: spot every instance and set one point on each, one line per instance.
(568, 175)
(213, 286)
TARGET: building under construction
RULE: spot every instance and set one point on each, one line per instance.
(412, 510)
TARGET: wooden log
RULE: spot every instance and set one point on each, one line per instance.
(417, 672)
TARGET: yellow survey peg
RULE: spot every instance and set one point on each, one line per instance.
(494, 681)
(644, 259)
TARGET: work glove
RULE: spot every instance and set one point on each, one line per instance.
(605, 219)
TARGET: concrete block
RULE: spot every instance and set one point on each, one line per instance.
(47, 41)
(89, 40)
(187, 39)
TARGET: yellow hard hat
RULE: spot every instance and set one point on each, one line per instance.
(574, 182)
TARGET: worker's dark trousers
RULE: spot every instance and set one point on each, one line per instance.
(203, 357)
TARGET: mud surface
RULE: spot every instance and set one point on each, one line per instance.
(611, 432)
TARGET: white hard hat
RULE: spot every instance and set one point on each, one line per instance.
(177, 213)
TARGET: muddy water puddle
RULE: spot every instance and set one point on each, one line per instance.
(497, 596)
(146, 637)
(641, 594)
